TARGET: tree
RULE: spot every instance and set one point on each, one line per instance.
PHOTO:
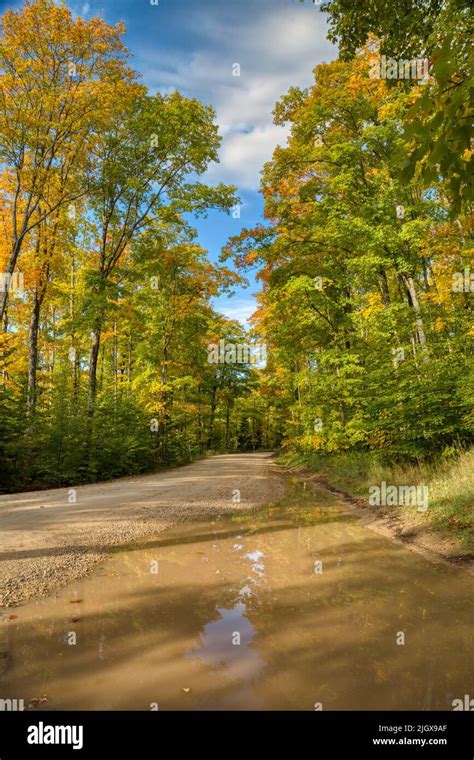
(58, 81)
(438, 127)
(357, 333)
(142, 166)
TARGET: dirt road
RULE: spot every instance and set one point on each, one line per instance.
(48, 538)
(295, 605)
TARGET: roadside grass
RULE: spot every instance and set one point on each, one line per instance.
(450, 484)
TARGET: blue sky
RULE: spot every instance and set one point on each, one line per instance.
(191, 45)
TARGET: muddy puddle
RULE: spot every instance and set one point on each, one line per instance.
(287, 607)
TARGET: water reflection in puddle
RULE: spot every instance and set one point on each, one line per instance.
(278, 609)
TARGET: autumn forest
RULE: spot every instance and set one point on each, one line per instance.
(363, 258)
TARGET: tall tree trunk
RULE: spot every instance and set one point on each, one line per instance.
(210, 432)
(93, 364)
(200, 423)
(129, 364)
(9, 272)
(33, 354)
(227, 425)
(38, 298)
(74, 355)
(415, 304)
(115, 365)
(162, 417)
(383, 284)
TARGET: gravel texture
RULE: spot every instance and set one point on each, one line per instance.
(48, 538)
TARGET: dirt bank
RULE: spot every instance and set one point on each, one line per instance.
(406, 526)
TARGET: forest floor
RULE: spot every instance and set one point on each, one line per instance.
(48, 538)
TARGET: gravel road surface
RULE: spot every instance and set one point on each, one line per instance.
(48, 538)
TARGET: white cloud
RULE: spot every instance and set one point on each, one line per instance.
(276, 50)
(237, 308)
(277, 46)
(242, 155)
